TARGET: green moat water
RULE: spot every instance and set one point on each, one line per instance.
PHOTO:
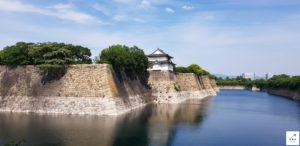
(231, 118)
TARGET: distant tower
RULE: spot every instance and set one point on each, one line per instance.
(160, 61)
(269, 76)
(250, 76)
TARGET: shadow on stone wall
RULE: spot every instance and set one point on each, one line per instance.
(131, 84)
(8, 80)
(78, 81)
(24, 81)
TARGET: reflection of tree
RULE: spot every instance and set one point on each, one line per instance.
(193, 111)
(132, 128)
(156, 123)
(163, 125)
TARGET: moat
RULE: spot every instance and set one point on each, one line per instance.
(231, 118)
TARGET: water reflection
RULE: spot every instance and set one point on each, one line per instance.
(151, 125)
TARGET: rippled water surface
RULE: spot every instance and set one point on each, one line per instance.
(233, 118)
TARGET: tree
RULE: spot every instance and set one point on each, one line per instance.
(16, 54)
(261, 83)
(60, 54)
(181, 69)
(125, 59)
(1, 56)
(51, 58)
(277, 82)
(196, 69)
(295, 83)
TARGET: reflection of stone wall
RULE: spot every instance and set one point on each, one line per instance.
(154, 124)
(165, 117)
(58, 129)
(174, 88)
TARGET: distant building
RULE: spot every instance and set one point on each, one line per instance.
(269, 76)
(250, 76)
(160, 61)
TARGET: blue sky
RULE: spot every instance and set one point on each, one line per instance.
(223, 36)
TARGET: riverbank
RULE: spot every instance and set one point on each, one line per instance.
(238, 88)
(294, 95)
(94, 90)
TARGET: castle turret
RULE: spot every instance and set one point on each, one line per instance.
(160, 61)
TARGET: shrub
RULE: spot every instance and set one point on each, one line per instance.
(177, 87)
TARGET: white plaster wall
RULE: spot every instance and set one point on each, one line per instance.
(158, 59)
(162, 67)
(171, 67)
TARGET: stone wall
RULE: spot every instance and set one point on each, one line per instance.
(188, 82)
(214, 85)
(94, 89)
(79, 81)
(84, 89)
(168, 87)
(232, 87)
(237, 87)
(206, 82)
(295, 95)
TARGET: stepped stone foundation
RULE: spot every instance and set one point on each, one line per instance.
(94, 89)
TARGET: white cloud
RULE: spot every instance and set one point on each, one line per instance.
(125, 1)
(145, 4)
(169, 10)
(120, 17)
(126, 18)
(209, 17)
(67, 12)
(186, 7)
(62, 6)
(102, 9)
(17, 6)
(239, 47)
(61, 11)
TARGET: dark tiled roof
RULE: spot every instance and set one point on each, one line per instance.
(159, 55)
(162, 62)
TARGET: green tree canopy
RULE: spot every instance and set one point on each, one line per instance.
(16, 54)
(23, 53)
(124, 58)
(59, 54)
(51, 58)
(181, 69)
(284, 82)
(193, 68)
(277, 82)
(129, 60)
